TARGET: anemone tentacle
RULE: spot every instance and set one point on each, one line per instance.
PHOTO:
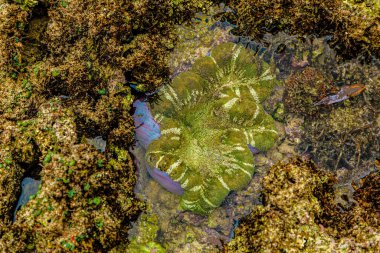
(207, 116)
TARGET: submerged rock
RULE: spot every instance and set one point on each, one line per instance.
(145, 238)
(299, 214)
(355, 25)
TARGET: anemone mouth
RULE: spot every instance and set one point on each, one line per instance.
(199, 155)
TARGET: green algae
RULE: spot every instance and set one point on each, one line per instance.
(26, 3)
(207, 117)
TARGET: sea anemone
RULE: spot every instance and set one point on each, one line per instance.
(210, 118)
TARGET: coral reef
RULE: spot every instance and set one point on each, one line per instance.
(66, 68)
(177, 231)
(185, 231)
(355, 25)
(207, 117)
(298, 214)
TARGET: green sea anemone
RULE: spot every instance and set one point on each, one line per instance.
(209, 117)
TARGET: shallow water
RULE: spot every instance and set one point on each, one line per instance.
(208, 234)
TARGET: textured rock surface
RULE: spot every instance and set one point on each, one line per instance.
(299, 214)
(207, 117)
(65, 71)
(354, 24)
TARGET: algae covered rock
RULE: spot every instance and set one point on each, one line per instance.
(196, 38)
(79, 205)
(355, 25)
(305, 88)
(145, 238)
(299, 215)
(65, 71)
(208, 116)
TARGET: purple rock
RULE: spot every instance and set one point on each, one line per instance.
(146, 128)
(253, 150)
(165, 181)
